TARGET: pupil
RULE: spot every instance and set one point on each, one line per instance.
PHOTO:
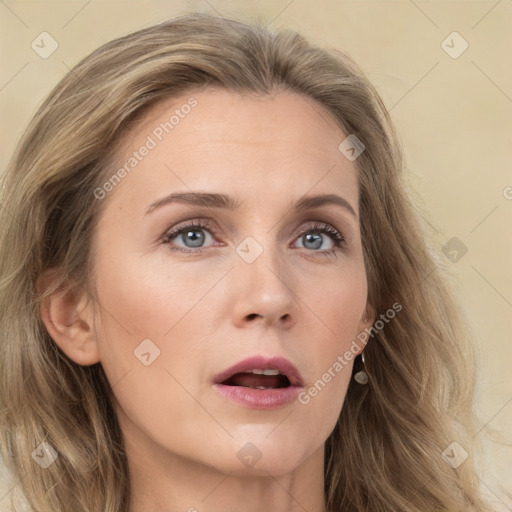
(198, 239)
(318, 243)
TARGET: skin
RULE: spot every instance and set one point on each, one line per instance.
(209, 310)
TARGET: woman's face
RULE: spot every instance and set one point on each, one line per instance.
(261, 280)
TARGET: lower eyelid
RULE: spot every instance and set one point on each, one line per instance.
(319, 227)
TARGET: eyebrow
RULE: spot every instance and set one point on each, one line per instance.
(224, 201)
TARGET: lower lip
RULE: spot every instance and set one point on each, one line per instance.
(259, 398)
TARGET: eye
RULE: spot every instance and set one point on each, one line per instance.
(194, 235)
(313, 237)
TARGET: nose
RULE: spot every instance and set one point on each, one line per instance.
(264, 291)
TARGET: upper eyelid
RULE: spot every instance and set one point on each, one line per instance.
(210, 225)
(348, 225)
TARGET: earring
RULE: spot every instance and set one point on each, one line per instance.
(361, 377)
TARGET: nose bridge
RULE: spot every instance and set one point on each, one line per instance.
(264, 279)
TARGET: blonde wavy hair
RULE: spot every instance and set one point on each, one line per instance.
(385, 453)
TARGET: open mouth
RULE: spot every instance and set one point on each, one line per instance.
(260, 382)
(259, 379)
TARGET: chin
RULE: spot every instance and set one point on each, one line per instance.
(264, 456)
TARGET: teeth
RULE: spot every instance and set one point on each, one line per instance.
(265, 372)
(264, 387)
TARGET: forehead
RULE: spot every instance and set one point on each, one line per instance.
(282, 144)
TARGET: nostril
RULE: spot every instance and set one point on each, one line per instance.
(252, 316)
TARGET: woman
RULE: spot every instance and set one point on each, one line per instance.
(216, 295)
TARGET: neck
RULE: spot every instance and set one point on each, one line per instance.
(161, 481)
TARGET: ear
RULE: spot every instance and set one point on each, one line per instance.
(68, 317)
(365, 325)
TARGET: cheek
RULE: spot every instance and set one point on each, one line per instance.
(331, 357)
(341, 306)
(149, 338)
(180, 313)
(166, 302)
(150, 299)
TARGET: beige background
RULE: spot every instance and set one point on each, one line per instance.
(454, 116)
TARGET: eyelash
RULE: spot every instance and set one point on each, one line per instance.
(336, 236)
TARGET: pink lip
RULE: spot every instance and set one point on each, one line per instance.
(261, 398)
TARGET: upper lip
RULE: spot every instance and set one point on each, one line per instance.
(281, 364)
